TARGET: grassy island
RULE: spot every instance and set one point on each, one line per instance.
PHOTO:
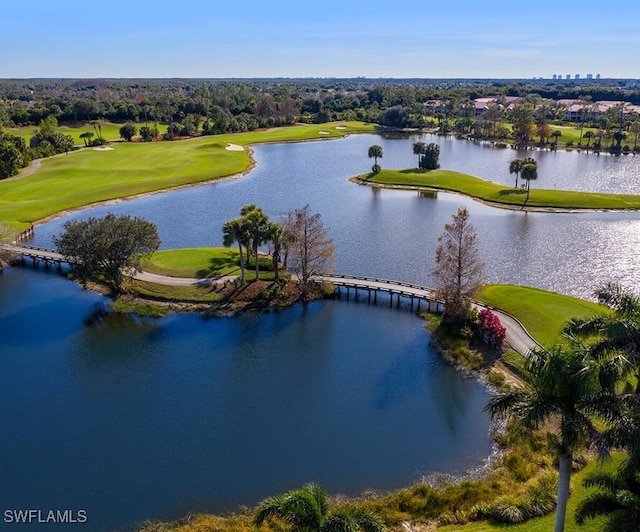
(500, 195)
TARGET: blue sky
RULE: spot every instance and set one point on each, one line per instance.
(213, 39)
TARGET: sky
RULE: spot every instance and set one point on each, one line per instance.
(347, 38)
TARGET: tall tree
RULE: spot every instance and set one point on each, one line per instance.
(515, 167)
(458, 271)
(307, 510)
(529, 172)
(562, 389)
(311, 250)
(234, 230)
(418, 149)
(104, 247)
(256, 225)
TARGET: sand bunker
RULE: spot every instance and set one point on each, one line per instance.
(104, 148)
(234, 147)
(341, 127)
(324, 133)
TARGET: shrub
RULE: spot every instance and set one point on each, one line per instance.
(490, 327)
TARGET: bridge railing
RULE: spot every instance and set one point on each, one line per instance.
(379, 280)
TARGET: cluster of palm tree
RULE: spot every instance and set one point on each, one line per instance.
(307, 510)
(589, 391)
(250, 230)
(526, 168)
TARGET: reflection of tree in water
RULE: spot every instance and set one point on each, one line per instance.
(451, 394)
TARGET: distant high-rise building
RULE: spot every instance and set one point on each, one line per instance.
(555, 76)
(597, 76)
(568, 76)
(589, 76)
(577, 76)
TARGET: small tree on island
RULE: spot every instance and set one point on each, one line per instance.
(101, 248)
(459, 268)
(374, 153)
(431, 157)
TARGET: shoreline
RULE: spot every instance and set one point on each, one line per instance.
(506, 206)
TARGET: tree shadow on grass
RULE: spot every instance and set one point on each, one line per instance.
(513, 192)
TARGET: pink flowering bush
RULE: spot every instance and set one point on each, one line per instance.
(490, 327)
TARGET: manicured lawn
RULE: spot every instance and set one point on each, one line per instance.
(485, 190)
(200, 263)
(110, 130)
(88, 176)
(542, 313)
(544, 524)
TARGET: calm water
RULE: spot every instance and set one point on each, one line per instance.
(130, 418)
(394, 234)
(133, 419)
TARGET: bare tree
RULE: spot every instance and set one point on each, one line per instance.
(458, 271)
(310, 250)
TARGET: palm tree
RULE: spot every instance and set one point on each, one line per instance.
(618, 496)
(235, 230)
(418, 149)
(256, 224)
(374, 152)
(563, 388)
(588, 135)
(616, 332)
(307, 510)
(556, 133)
(86, 137)
(278, 237)
(515, 167)
(529, 172)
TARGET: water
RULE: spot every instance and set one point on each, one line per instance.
(130, 418)
(393, 234)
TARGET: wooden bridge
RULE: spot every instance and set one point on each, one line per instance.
(48, 257)
(517, 336)
(372, 285)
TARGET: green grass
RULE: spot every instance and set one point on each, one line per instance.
(450, 181)
(544, 524)
(202, 263)
(110, 130)
(88, 176)
(542, 313)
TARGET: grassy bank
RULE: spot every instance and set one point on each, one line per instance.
(542, 313)
(89, 176)
(450, 181)
(202, 263)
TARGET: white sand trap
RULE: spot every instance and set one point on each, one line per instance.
(324, 133)
(234, 147)
(341, 127)
(104, 148)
